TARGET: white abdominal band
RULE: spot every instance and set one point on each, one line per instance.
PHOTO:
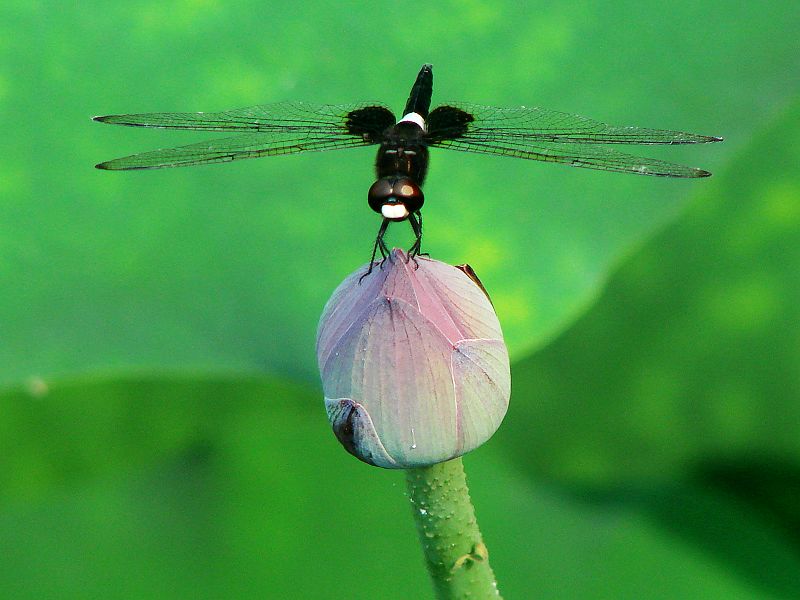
(413, 117)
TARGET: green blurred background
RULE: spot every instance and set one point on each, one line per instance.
(161, 426)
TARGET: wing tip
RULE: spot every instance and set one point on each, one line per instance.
(115, 165)
(702, 173)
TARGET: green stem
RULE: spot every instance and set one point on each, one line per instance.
(457, 558)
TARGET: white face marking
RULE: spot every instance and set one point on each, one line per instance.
(394, 211)
(414, 118)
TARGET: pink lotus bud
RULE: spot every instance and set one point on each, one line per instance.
(413, 363)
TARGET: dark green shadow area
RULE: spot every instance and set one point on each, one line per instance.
(768, 485)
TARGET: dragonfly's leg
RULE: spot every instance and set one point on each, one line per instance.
(378, 245)
(415, 220)
(385, 253)
(418, 243)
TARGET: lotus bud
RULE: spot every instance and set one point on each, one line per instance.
(413, 363)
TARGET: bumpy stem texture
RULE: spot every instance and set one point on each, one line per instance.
(456, 556)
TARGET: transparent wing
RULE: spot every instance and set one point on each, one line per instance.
(252, 145)
(552, 136)
(542, 124)
(279, 116)
(266, 130)
(597, 157)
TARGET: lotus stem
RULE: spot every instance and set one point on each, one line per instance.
(456, 557)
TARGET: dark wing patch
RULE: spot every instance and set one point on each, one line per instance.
(447, 123)
(369, 122)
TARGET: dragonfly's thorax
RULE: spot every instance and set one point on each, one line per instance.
(403, 152)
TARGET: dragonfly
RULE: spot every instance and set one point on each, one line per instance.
(403, 144)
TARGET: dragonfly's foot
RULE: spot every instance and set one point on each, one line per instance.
(414, 252)
(412, 257)
(417, 255)
(360, 279)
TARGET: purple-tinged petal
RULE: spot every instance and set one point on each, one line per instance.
(482, 382)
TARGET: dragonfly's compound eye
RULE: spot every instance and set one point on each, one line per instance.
(380, 191)
(407, 191)
(395, 197)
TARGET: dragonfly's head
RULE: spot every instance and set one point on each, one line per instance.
(395, 197)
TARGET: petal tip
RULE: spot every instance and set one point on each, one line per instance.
(353, 427)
